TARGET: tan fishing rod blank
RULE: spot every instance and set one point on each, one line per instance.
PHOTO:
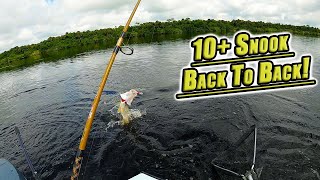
(87, 129)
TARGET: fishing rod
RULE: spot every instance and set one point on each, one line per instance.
(26, 154)
(86, 131)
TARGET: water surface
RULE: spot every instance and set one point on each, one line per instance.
(49, 102)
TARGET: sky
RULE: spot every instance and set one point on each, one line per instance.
(31, 21)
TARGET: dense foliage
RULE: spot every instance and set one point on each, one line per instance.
(70, 44)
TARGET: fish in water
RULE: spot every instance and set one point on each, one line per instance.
(124, 108)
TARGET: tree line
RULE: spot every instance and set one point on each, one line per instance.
(73, 43)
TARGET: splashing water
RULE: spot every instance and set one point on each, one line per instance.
(112, 124)
(137, 113)
(134, 114)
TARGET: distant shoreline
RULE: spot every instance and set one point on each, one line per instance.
(71, 44)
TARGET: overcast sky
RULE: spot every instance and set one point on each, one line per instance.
(30, 21)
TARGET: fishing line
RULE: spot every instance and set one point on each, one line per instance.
(98, 132)
(154, 27)
(254, 148)
(85, 168)
(126, 46)
(93, 139)
(227, 170)
(128, 41)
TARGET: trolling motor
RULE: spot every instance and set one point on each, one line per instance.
(251, 174)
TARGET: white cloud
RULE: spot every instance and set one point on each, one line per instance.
(24, 21)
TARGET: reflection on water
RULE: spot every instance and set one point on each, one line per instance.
(50, 102)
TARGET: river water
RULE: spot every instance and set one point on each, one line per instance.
(49, 102)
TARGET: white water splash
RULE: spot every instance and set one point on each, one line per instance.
(112, 124)
(137, 113)
(134, 114)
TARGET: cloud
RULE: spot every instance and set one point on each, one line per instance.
(24, 21)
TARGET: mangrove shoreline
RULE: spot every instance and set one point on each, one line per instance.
(71, 44)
